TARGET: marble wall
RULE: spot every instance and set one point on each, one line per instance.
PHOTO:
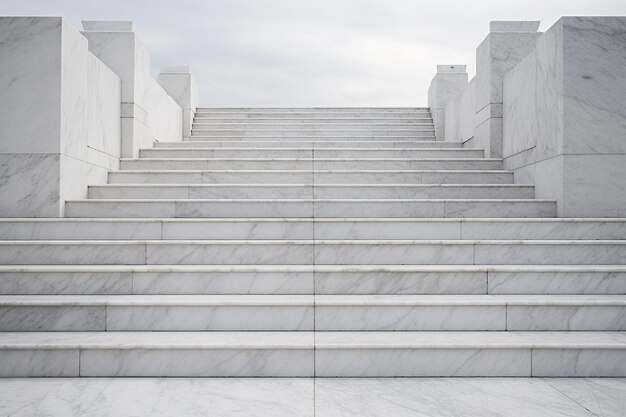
(473, 115)
(59, 117)
(181, 86)
(449, 81)
(505, 45)
(71, 105)
(565, 117)
(148, 113)
(460, 117)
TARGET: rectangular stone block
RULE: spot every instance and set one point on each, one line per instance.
(107, 26)
(514, 25)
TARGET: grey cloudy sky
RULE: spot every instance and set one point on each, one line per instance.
(312, 52)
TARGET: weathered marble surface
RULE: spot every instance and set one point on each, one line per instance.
(460, 115)
(602, 396)
(179, 83)
(500, 51)
(449, 81)
(53, 140)
(157, 397)
(513, 26)
(470, 397)
(565, 119)
(441, 397)
(323, 208)
(148, 112)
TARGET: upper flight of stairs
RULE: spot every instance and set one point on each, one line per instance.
(312, 242)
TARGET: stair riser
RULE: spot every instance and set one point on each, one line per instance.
(307, 153)
(345, 164)
(295, 120)
(344, 282)
(265, 177)
(327, 362)
(353, 110)
(307, 144)
(282, 209)
(314, 114)
(302, 318)
(312, 126)
(469, 362)
(307, 192)
(156, 362)
(295, 133)
(306, 253)
(243, 229)
(483, 282)
(156, 318)
(323, 115)
(331, 140)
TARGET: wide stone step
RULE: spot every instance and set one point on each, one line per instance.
(310, 125)
(308, 228)
(308, 144)
(312, 279)
(294, 133)
(298, 252)
(306, 312)
(310, 164)
(309, 110)
(310, 177)
(329, 354)
(315, 138)
(307, 191)
(263, 118)
(310, 153)
(315, 108)
(321, 208)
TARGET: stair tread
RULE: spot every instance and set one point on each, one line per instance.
(309, 340)
(312, 300)
(310, 268)
(552, 220)
(315, 171)
(293, 185)
(390, 242)
(311, 159)
(309, 200)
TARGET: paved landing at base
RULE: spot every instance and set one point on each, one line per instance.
(303, 397)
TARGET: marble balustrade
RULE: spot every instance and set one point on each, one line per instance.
(72, 105)
(449, 81)
(565, 117)
(553, 106)
(149, 114)
(180, 84)
(59, 117)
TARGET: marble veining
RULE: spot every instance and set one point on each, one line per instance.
(315, 242)
(432, 397)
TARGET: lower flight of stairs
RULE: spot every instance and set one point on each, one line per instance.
(312, 242)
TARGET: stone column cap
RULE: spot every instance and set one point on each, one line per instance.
(451, 68)
(514, 25)
(107, 26)
(175, 69)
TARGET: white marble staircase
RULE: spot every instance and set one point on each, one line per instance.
(312, 242)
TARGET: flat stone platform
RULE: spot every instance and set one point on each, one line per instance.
(321, 397)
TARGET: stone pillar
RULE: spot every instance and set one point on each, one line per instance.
(180, 84)
(506, 45)
(449, 81)
(148, 114)
(117, 46)
(565, 117)
(59, 117)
